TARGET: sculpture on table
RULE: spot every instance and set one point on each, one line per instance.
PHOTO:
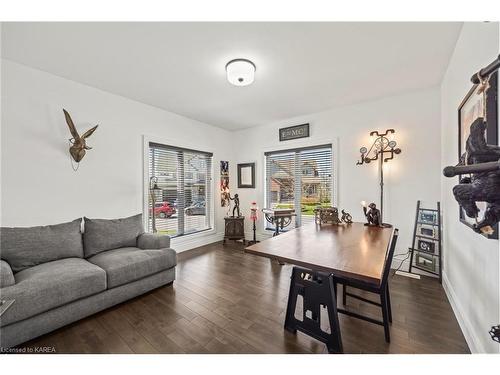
(346, 217)
(482, 162)
(372, 214)
(323, 215)
(236, 207)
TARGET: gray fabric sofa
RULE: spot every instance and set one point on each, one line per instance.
(56, 274)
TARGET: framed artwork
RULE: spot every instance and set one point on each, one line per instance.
(246, 175)
(427, 246)
(224, 168)
(427, 231)
(428, 217)
(469, 110)
(224, 184)
(426, 262)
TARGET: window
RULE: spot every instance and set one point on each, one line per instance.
(300, 179)
(182, 195)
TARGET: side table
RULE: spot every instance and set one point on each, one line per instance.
(234, 228)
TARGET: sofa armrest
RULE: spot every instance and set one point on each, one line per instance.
(153, 241)
(6, 275)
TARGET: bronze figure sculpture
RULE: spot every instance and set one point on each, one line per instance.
(78, 143)
(372, 215)
(482, 162)
(236, 207)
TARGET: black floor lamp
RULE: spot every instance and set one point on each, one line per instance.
(383, 150)
(153, 188)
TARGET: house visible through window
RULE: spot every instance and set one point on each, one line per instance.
(300, 179)
(183, 197)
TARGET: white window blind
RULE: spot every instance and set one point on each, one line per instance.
(300, 179)
(183, 200)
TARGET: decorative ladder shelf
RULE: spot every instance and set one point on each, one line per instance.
(425, 252)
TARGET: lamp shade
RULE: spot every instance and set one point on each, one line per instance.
(253, 211)
(240, 72)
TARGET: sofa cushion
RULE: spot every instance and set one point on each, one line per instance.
(102, 234)
(131, 263)
(153, 241)
(6, 275)
(49, 285)
(28, 247)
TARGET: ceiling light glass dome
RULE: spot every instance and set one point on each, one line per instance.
(240, 72)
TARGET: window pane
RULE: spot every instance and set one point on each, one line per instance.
(281, 182)
(163, 166)
(195, 192)
(301, 180)
(316, 182)
(182, 180)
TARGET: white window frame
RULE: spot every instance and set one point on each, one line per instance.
(147, 139)
(290, 145)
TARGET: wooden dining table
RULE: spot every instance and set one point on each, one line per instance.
(319, 253)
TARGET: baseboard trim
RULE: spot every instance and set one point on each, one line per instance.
(475, 345)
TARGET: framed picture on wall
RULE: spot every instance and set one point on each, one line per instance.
(472, 107)
(246, 175)
(428, 217)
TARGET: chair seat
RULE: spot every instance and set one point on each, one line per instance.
(50, 285)
(128, 264)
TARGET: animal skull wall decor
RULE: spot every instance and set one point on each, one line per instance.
(78, 143)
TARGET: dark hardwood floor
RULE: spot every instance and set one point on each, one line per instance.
(226, 301)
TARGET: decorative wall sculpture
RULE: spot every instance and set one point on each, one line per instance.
(78, 143)
(478, 191)
(481, 162)
(480, 102)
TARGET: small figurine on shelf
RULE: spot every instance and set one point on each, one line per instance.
(253, 218)
(372, 215)
(236, 207)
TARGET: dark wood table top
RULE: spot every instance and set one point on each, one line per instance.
(350, 250)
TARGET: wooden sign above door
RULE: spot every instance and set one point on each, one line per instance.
(294, 132)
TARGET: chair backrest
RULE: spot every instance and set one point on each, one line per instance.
(389, 257)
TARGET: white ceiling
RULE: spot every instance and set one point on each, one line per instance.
(301, 67)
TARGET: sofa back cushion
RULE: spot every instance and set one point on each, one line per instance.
(100, 234)
(27, 247)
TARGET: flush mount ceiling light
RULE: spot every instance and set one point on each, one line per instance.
(240, 72)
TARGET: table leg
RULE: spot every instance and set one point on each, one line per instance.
(317, 290)
(277, 230)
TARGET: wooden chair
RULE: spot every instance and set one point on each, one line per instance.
(382, 290)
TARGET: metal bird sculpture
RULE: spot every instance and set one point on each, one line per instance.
(78, 143)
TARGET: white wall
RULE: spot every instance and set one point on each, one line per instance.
(471, 267)
(38, 184)
(412, 175)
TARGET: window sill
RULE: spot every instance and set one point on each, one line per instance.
(192, 240)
